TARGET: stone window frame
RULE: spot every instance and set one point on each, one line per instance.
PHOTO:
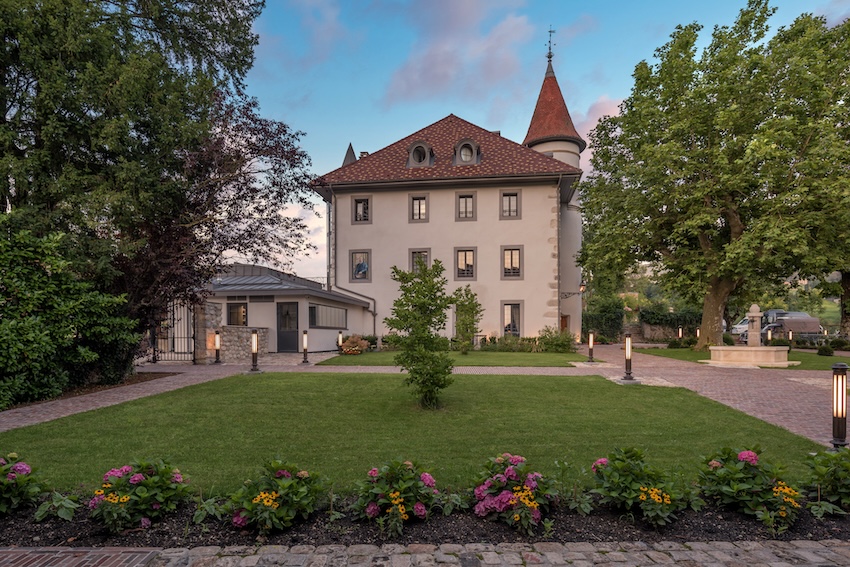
(354, 201)
(462, 194)
(457, 251)
(504, 322)
(502, 194)
(415, 197)
(412, 251)
(519, 248)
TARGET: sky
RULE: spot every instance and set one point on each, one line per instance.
(370, 72)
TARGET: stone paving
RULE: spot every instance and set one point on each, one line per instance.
(797, 400)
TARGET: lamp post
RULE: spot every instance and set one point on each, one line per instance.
(628, 376)
(769, 335)
(839, 405)
(255, 349)
(304, 346)
(790, 335)
(697, 332)
(339, 342)
(681, 333)
(590, 346)
(217, 345)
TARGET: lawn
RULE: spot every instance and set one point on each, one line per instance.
(473, 358)
(809, 360)
(340, 425)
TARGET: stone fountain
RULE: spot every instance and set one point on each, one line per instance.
(753, 355)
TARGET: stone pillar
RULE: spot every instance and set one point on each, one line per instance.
(200, 352)
(754, 326)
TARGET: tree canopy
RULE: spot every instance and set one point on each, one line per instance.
(725, 169)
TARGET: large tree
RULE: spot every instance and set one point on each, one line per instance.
(720, 167)
(123, 126)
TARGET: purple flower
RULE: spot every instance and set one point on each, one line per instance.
(2, 461)
(535, 515)
(112, 473)
(503, 501)
(436, 491)
(283, 473)
(146, 523)
(598, 464)
(137, 478)
(511, 473)
(11, 476)
(516, 459)
(126, 469)
(95, 502)
(373, 472)
(500, 478)
(21, 468)
(155, 506)
(239, 520)
(177, 478)
(427, 480)
(530, 482)
(481, 490)
(420, 510)
(748, 456)
(372, 509)
(485, 506)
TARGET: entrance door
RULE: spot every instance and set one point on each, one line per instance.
(287, 327)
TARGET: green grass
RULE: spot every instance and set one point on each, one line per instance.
(809, 359)
(473, 358)
(340, 425)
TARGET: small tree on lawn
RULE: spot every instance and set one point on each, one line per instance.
(468, 313)
(418, 315)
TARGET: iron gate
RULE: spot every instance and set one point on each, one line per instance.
(174, 338)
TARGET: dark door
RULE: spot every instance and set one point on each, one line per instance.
(287, 327)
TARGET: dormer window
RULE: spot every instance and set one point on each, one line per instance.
(467, 152)
(420, 155)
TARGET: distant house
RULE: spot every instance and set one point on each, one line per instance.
(502, 217)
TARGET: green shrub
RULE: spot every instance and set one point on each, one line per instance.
(780, 342)
(508, 490)
(625, 481)
(825, 350)
(741, 480)
(19, 486)
(274, 500)
(728, 339)
(605, 315)
(396, 493)
(828, 487)
(675, 343)
(372, 340)
(134, 495)
(551, 339)
(839, 343)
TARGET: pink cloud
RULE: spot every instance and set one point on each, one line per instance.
(603, 106)
(835, 12)
(584, 24)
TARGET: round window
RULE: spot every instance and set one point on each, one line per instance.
(419, 154)
(466, 153)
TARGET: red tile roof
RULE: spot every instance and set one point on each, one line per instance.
(500, 157)
(551, 119)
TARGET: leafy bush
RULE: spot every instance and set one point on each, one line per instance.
(396, 493)
(659, 314)
(551, 339)
(355, 344)
(828, 488)
(825, 350)
(137, 494)
(839, 343)
(468, 313)
(780, 342)
(281, 494)
(509, 491)
(605, 315)
(508, 343)
(741, 480)
(19, 487)
(728, 339)
(624, 480)
(675, 343)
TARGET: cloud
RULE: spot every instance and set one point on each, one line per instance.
(835, 12)
(602, 106)
(457, 53)
(584, 24)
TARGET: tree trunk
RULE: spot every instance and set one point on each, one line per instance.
(844, 325)
(713, 306)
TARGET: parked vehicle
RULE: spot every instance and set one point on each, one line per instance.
(807, 328)
(741, 326)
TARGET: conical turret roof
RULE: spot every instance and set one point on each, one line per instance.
(551, 120)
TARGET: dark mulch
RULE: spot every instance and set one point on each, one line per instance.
(178, 530)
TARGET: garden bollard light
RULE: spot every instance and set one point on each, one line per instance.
(339, 342)
(590, 346)
(304, 346)
(839, 405)
(697, 332)
(681, 332)
(255, 349)
(769, 335)
(628, 375)
(217, 345)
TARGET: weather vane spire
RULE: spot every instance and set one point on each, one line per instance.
(549, 53)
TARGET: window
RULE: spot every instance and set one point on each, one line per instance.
(511, 317)
(511, 262)
(466, 152)
(511, 207)
(420, 155)
(465, 209)
(361, 270)
(327, 317)
(418, 208)
(261, 299)
(237, 314)
(420, 255)
(361, 210)
(465, 263)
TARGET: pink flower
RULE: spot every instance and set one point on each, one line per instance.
(112, 473)
(283, 473)
(500, 478)
(2, 461)
(302, 474)
(516, 459)
(137, 478)
(427, 480)
(373, 472)
(436, 491)
(748, 456)
(21, 468)
(714, 464)
(599, 463)
(500, 460)
(239, 520)
(420, 510)
(11, 476)
(485, 506)
(530, 482)
(408, 464)
(146, 523)
(511, 473)
(503, 501)
(177, 478)
(156, 506)
(126, 469)
(372, 509)
(481, 490)
(535, 515)
(95, 502)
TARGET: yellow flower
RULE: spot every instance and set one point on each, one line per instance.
(405, 517)
(783, 513)
(125, 498)
(106, 485)
(98, 492)
(516, 517)
(401, 509)
(276, 505)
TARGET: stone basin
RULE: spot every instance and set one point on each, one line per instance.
(750, 356)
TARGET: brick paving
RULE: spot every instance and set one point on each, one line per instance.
(797, 400)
